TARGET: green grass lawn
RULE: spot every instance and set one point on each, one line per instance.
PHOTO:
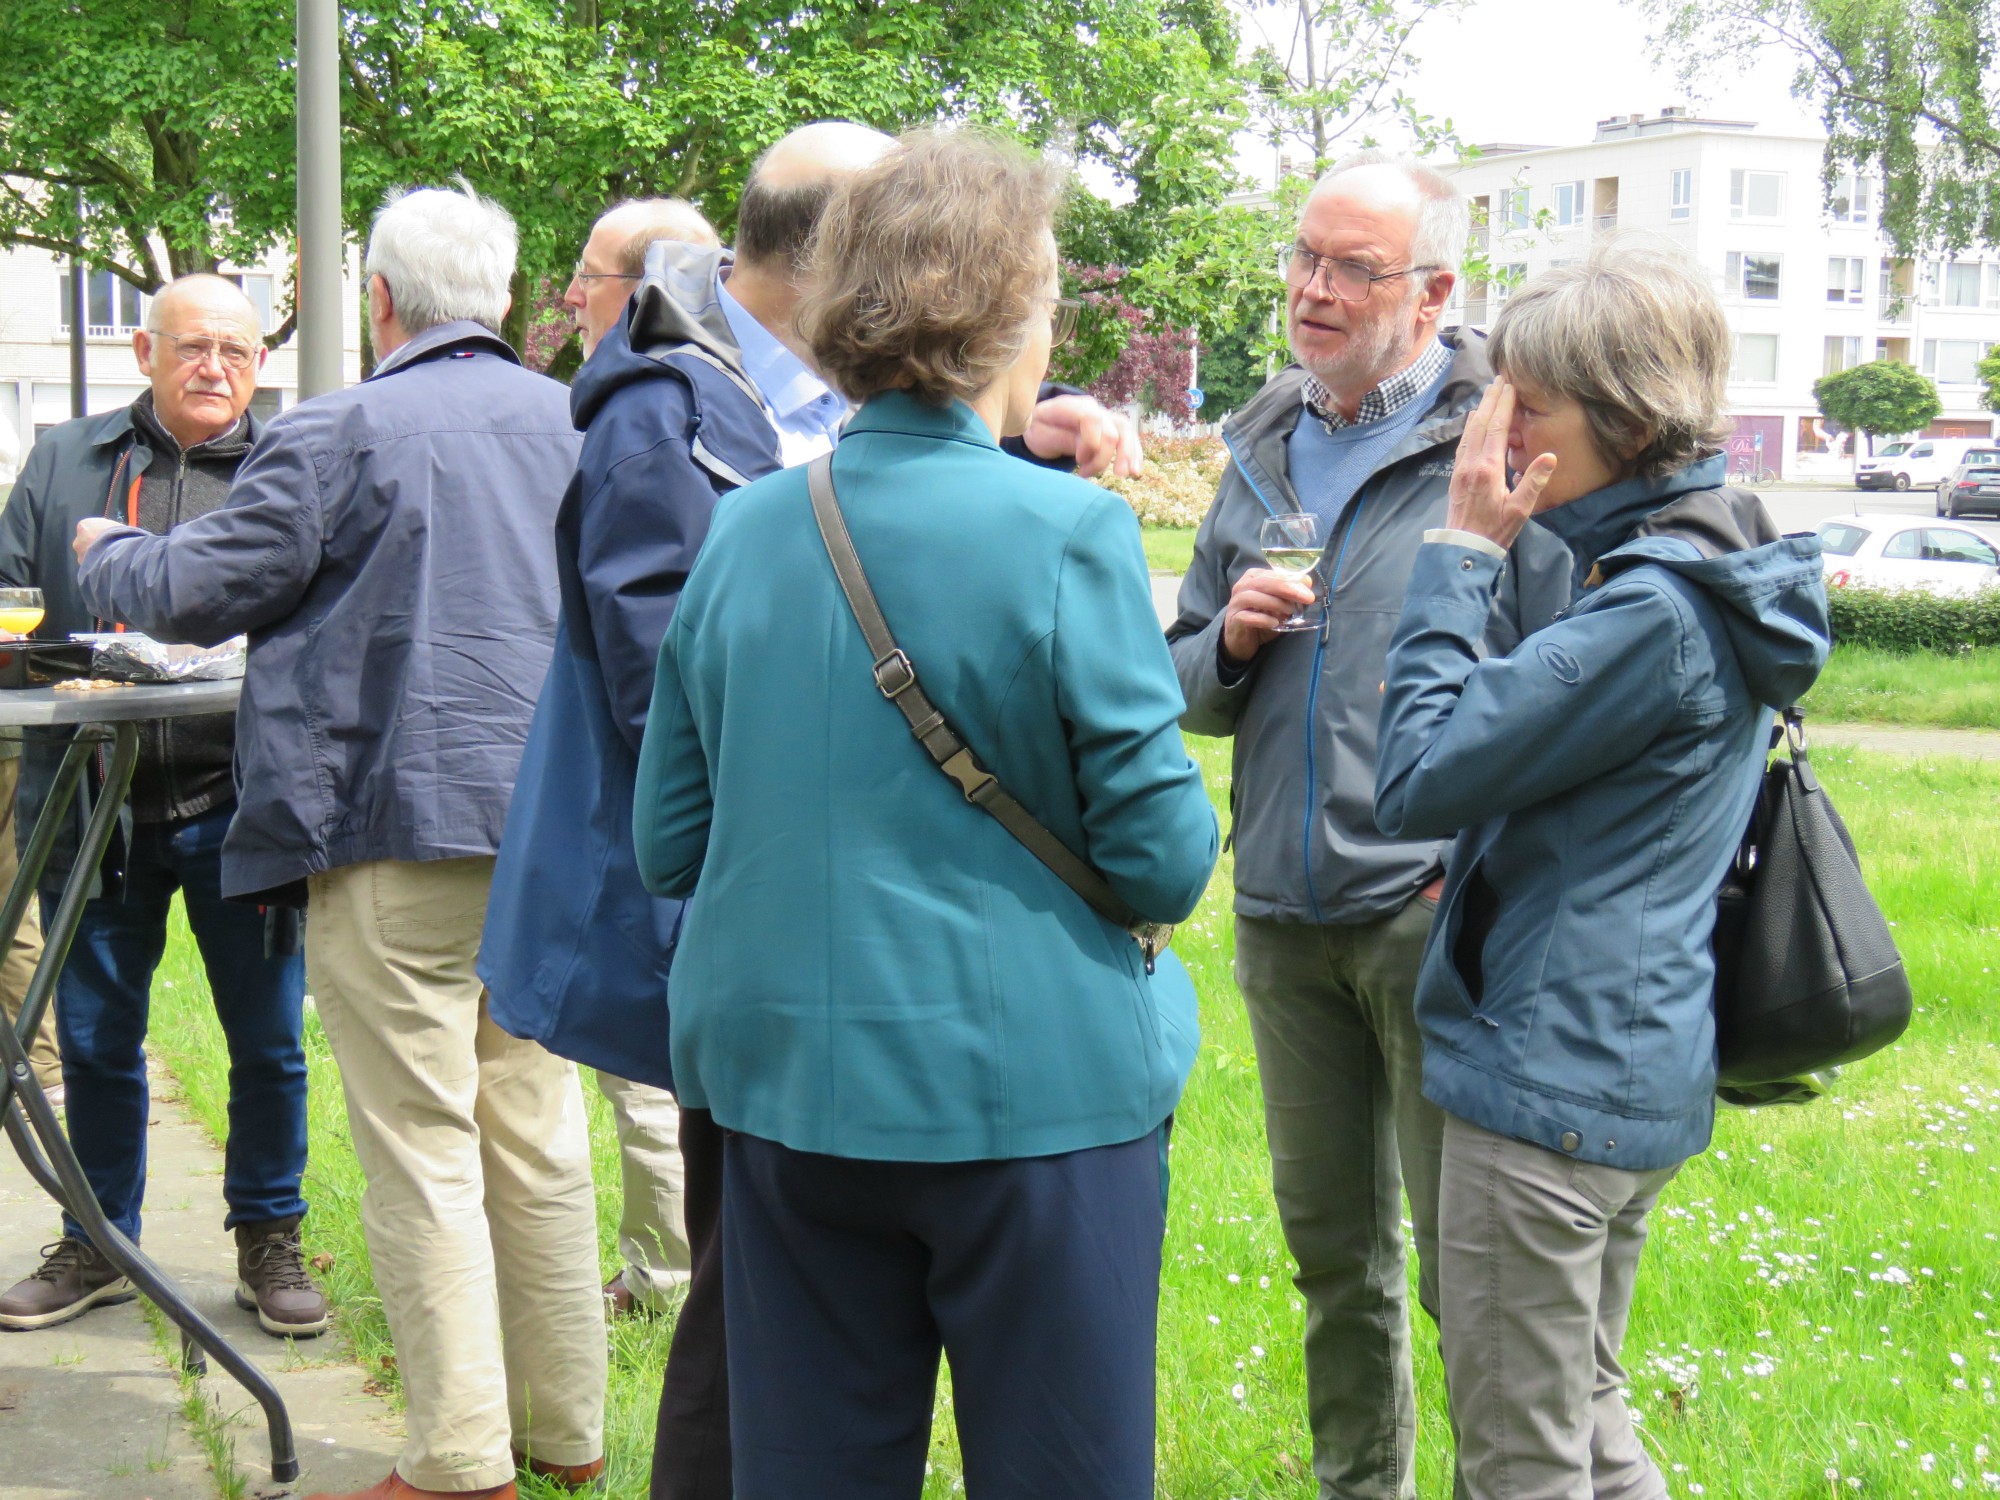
(1816, 1313)
(1921, 689)
(1169, 549)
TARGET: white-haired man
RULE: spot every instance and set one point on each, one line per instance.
(387, 548)
(1331, 915)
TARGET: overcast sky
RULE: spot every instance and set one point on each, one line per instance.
(1545, 72)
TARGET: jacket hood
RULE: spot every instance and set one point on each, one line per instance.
(1769, 588)
(676, 310)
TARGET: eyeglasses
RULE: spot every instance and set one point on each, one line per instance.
(587, 277)
(192, 349)
(1065, 311)
(1346, 280)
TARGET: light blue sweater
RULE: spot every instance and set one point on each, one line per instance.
(1327, 467)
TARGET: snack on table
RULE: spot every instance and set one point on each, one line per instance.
(88, 685)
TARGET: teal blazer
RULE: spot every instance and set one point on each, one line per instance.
(871, 967)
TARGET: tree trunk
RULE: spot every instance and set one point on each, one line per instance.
(514, 328)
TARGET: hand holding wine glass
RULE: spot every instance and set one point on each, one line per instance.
(1275, 600)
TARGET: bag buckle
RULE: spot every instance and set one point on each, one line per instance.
(1152, 938)
(973, 779)
(894, 674)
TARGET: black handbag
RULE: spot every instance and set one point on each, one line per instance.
(1807, 976)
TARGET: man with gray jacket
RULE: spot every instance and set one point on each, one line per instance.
(1331, 914)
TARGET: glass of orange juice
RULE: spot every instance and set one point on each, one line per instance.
(20, 610)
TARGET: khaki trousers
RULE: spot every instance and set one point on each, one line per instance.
(478, 1210)
(652, 1224)
(17, 967)
(1538, 1256)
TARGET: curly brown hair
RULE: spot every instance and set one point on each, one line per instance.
(928, 267)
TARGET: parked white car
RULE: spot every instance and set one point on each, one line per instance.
(1906, 552)
(1921, 464)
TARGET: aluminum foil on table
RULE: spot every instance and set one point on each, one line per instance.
(132, 657)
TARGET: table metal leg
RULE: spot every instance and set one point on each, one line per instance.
(55, 1159)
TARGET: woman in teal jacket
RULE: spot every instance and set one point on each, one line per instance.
(946, 1077)
(1602, 773)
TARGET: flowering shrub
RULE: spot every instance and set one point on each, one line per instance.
(1178, 482)
(1119, 354)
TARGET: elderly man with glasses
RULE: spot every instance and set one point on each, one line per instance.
(166, 459)
(1360, 435)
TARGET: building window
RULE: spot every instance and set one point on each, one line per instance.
(1756, 195)
(1930, 283)
(1681, 200)
(1756, 357)
(1954, 361)
(1569, 204)
(112, 306)
(1962, 283)
(1849, 203)
(1752, 277)
(1844, 275)
(1507, 278)
(1842, 353)
(258, 287)
(1993, 285)
(1514, 208)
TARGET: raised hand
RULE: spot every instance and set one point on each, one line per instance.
(1481, 502)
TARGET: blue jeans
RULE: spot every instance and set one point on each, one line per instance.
(101, 1009)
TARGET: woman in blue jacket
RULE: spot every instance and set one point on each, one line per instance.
(946, 1077)
(1602, 774)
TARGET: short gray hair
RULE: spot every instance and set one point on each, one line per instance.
(658, 219)
(1443, 220)
(1635, 334)
(447, 256)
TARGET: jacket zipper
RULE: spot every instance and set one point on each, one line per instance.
(1312, 705)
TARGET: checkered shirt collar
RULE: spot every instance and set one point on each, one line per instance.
(1392, 395)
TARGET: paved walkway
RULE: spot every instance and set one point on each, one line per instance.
(90, 1410)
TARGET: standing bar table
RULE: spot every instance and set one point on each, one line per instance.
(106, 717)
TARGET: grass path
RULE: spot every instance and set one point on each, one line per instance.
(1816, 1314)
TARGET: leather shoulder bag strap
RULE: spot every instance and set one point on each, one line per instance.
(896, 676)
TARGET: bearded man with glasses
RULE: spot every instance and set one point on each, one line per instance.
(1332, 915)
(165, 459)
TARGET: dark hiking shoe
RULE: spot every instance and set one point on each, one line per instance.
(72, 1279)
(272, 1280)
(588, 1476)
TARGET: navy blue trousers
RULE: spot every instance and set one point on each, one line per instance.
(1038, 1279)
(103, 996)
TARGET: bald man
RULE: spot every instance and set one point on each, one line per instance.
(702, 387)
(167, 458)
(614, 258)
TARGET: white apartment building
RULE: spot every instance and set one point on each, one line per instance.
(1810, 286)
(34, 343)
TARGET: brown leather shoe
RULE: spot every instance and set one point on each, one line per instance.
(396, 1487)
(71, 1280)
(588, 1476)
(619, 1301)
(272, 1280)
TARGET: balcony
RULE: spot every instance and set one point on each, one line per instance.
(1605, 223)
(1475, 312)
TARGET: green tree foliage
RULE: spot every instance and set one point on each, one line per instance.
(1882, 396)
(174, 118)
(1989, 376)
(1903, 86)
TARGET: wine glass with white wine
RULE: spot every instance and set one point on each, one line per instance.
(1293, 545)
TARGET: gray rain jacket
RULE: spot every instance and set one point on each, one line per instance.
(1304, 716)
